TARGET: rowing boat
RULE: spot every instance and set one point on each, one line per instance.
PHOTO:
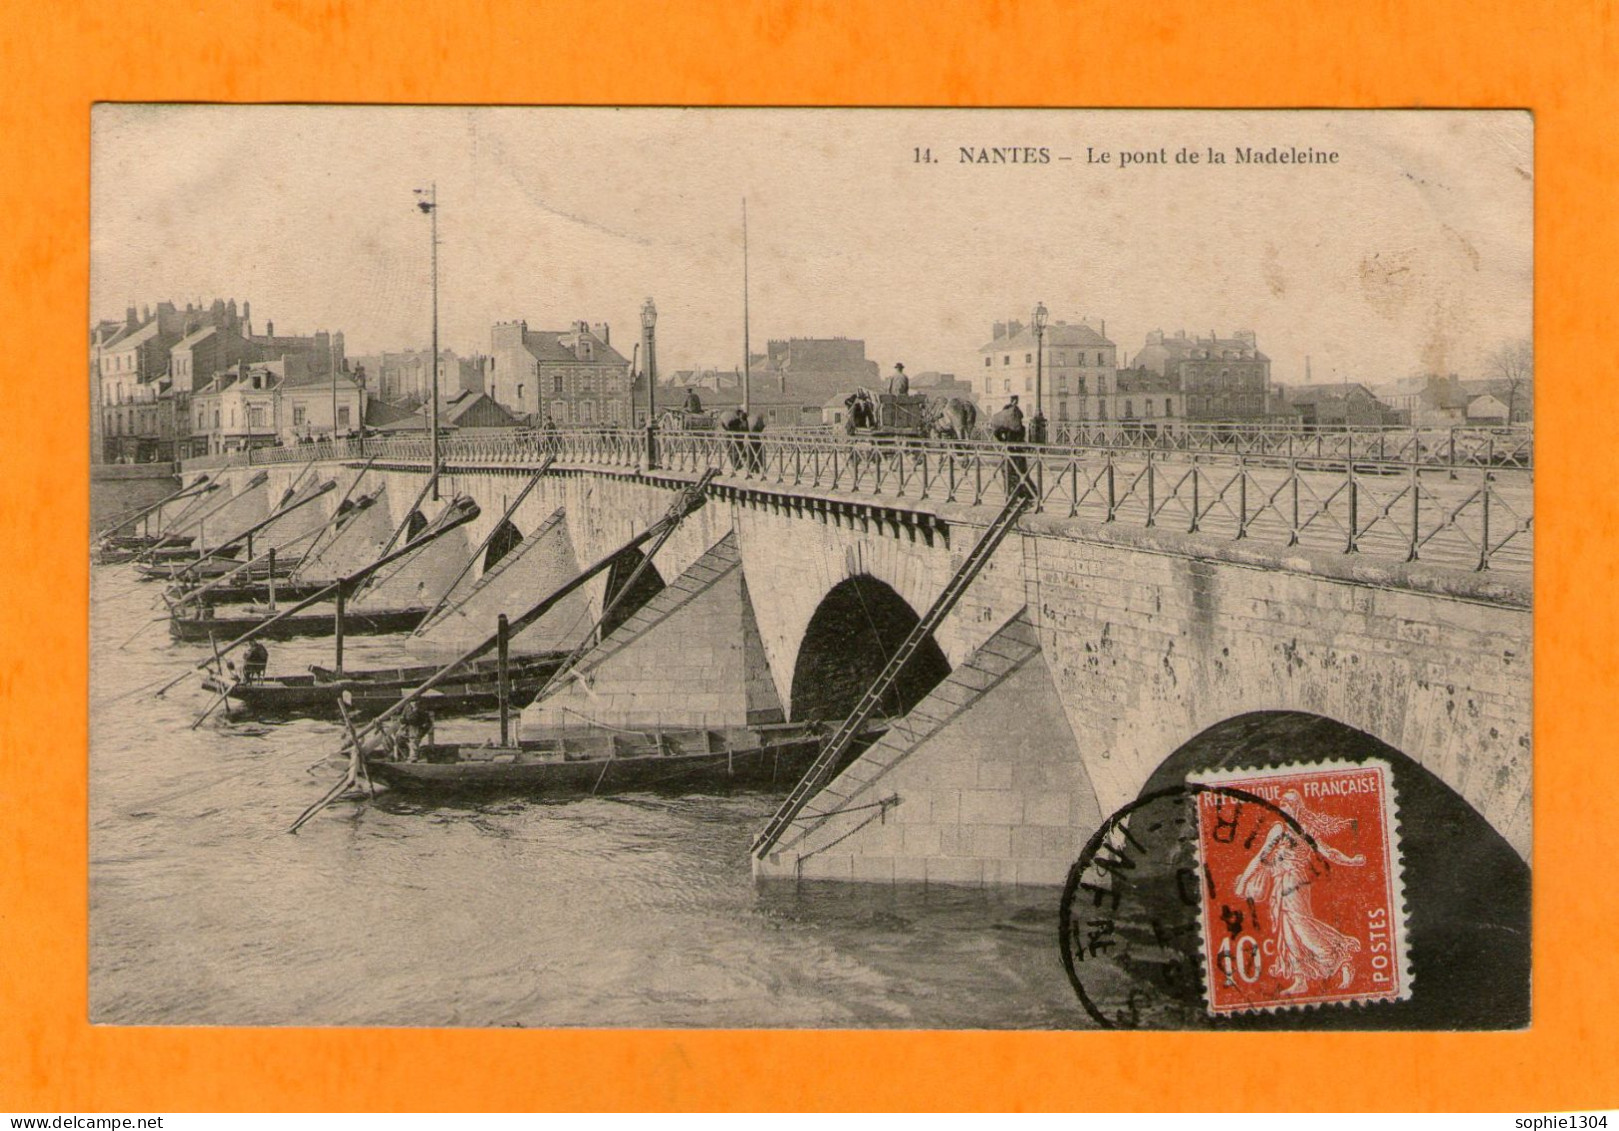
(476, 688)
(595, 761)
(227, 622)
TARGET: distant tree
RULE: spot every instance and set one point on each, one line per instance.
(1514, 363)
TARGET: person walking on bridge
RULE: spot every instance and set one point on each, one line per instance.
(1007, 427)
(756, 445)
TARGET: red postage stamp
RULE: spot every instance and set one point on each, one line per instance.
(1302, 901)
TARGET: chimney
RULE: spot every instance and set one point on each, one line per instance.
(1000, 330)
(1104, 327)
(247, 319)
(131, 318)
(1306, 369)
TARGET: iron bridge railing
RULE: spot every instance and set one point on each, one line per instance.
(1459, 498)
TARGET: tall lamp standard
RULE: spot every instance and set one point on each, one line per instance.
(649, 320)
(428, 203)
(1037, 426)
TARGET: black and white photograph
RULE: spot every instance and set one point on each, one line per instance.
(769, 568)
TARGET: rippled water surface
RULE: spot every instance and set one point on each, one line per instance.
(630, 911)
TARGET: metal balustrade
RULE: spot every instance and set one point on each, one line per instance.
(1451, 497)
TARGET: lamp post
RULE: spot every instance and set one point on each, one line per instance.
(428, 203)
(1037, 426)
(649, 320)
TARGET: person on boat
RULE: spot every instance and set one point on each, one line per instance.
(899, 385)
(694, 403)
(254, 661)
(417, 724)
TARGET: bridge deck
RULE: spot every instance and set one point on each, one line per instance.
(1472, 513)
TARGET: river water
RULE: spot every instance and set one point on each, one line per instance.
(636, 911)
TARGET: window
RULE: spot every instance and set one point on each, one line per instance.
(1129, 408)
(1062, 408)
(1169, 407)
(587, 412)
(298, 415)
(1006, 359)
(343, 416)
(216, 418)
(1028, 384)
(556, 385)
(1006, 384)
(1028, 358)
(255, 416)
(988, 360)
(1147, 408)
(1101, 409)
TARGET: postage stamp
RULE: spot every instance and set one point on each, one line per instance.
(1301, 896)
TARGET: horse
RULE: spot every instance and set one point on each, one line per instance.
(952, 418)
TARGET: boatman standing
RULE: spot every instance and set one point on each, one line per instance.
(899, 385)
(417, 724)
(254, 661)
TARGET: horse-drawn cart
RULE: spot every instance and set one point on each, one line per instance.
(883, 414)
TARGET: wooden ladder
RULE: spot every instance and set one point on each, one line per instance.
(821, 770)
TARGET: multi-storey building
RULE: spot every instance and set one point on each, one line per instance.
(403, 377)
(570, 377)
(1225, 379)
(1076, 373)
(285, 401)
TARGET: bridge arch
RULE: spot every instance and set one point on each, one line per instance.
(858, 625)
(415, 523)
(1467, 891)
(644, 587)
(503, 541)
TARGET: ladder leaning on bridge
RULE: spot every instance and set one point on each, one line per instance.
(820, 772)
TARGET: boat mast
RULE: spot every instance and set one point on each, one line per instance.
(747, 352)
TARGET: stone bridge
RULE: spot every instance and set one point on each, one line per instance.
(1090, 661)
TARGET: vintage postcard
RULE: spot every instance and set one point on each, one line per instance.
(810, 568)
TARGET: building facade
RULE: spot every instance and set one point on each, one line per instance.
(1077, 373)
(1224, 379)
(269, 403)
(571, 377)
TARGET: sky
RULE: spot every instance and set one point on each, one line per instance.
(1412, 253)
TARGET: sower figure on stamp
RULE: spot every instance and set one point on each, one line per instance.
(1306, 948)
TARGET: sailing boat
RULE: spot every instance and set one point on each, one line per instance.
(373, 616)
(598, 729)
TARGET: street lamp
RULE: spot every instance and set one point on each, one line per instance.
(1037, 426)
(649, 320)
(428, 202)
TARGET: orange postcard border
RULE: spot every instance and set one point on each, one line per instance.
(1555, 59)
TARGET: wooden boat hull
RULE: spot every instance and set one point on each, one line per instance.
(316, 695)
(224, 625)
(252, 592)
(772, 762)
(219, 567)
